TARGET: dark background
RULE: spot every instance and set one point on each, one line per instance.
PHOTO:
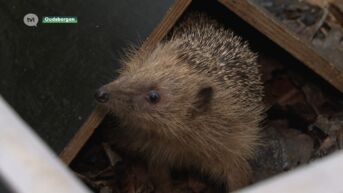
(4, 188)
(49, 73)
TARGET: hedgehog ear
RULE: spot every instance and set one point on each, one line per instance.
(203, 100)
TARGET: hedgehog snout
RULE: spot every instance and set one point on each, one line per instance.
(102, 95)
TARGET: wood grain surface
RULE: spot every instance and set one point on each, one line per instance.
(259, 18)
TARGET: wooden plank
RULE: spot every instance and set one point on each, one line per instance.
(87, 129)
(26, 162)
(298, 47)
(82, 135)
(320, 176)
(166, 24)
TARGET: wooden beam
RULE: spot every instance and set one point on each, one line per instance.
(298, 47)
(82, 135)
(87, 129)
(166, 24)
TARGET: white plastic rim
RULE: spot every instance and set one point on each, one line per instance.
(27, 164)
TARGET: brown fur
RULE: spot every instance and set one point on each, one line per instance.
(210, 108)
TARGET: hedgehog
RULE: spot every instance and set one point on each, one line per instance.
(193, 101)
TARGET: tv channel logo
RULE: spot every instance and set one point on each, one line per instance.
(31, 20)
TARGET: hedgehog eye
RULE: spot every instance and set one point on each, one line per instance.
(153, 97)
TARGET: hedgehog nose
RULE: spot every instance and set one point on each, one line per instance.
(102, 95)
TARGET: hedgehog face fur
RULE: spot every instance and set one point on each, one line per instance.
(151, 93)
(192, 102)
